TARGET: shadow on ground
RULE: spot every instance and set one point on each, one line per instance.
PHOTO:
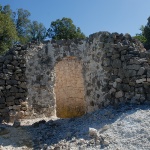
(53, 131)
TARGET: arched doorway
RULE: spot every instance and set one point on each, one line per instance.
(69, 88)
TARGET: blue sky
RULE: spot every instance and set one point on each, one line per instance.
(122, 16)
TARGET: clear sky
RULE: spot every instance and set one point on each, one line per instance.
(122, 16)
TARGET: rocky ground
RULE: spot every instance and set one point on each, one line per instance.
(126, 128)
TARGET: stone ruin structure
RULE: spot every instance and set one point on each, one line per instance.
(69, 78)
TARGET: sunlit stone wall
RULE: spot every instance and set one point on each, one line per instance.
(104, 69)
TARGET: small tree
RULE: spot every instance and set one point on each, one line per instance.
(37, 31)
(64, 29)
(146, 33)
(140, 36)
(8, 33)
(22, 22)
(7, 10)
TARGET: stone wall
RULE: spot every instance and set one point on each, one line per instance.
(114, 67)
(13, 91)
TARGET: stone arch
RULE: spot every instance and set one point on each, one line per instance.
(69, 88)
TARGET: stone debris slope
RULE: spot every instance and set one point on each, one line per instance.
(125, 128)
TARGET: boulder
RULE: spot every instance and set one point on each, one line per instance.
(93, 132)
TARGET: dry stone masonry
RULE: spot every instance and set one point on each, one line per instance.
(13, 90)
(69, 78)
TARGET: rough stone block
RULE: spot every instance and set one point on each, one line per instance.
(2, 106)
(23, 85)
(16, 107)
(10, 99)
(148, 79)
(2, 82)
(11, 82)
(10, 67)
(141, 80)
(8, 87)
(115, 56)
(115, 84)
(119, 86)
(17, 101)
(106, 62)
(148, 73)
(126, 87)
(10, 103)
(118, 80)
(2, 100)
(19, 95)
(119, 94)
(13, 90)
(112, 90)
(20, 114)
(141, 71)
(139, 90)
(133, 67)
(116, 63)
(130, 73)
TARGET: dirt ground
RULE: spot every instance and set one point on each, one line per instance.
(126, 128)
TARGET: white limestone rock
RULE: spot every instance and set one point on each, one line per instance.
(93, 132)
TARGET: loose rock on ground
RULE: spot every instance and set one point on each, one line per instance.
(126, 128)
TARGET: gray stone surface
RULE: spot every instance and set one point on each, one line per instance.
(119, 94)
(141, 71)
(111, 63)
